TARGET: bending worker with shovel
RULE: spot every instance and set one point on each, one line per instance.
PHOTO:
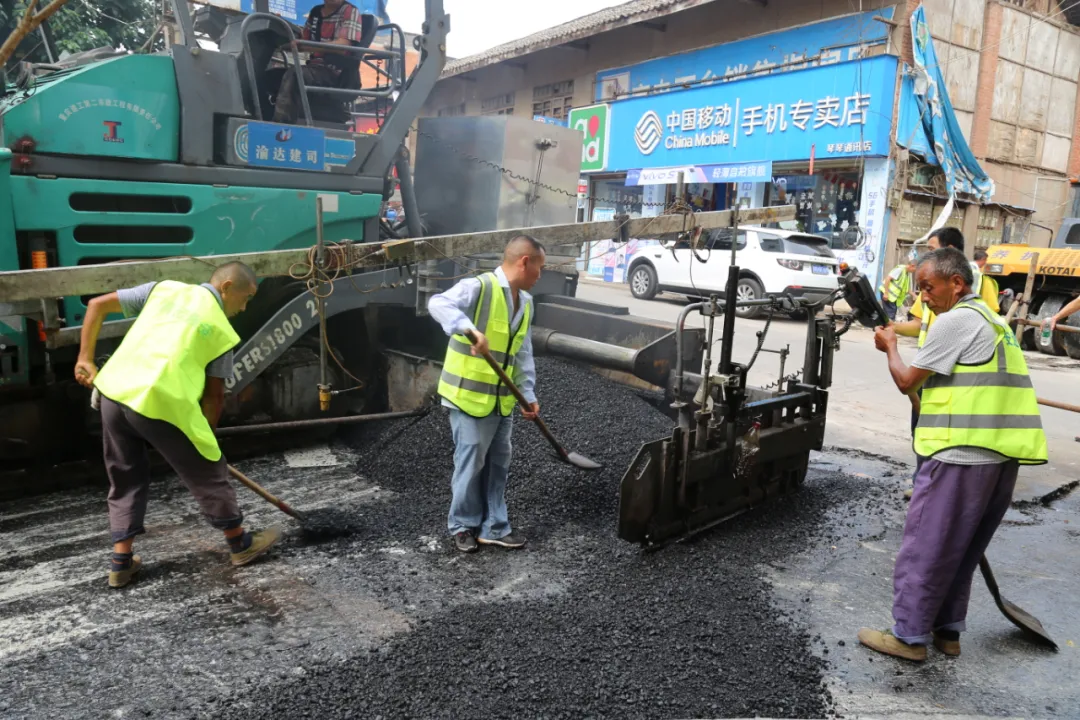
(165, 386)
(490, 313)
(979, 422)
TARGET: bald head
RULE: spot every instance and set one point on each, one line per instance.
(236, 283)
(236, 272)
(522, 246)
(523, 260)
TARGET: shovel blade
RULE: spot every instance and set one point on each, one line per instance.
(1026, 622)
(580, 461)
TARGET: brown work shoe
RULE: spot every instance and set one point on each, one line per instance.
(885, 642)
(261, 542)
(120, 578)
(946, 643)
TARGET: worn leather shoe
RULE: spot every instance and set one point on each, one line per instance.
(885, 642)
(947, 642)
(261, 542)
(120, 578)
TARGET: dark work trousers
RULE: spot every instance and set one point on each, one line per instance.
(953, 515)
(288, 107)
(890, 309)
(126, 435)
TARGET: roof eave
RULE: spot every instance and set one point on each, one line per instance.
(511, 53)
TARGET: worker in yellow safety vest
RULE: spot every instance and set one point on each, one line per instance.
(491, 312)
(896, 287)
(979, 422)
(165, 386)
(925, 317)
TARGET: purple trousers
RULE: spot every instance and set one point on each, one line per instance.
(954, 512)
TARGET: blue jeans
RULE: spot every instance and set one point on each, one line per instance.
(481, 466)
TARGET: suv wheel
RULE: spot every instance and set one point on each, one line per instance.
(643, 282)
(748, 289)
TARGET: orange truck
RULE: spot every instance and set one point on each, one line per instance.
(1057, 281)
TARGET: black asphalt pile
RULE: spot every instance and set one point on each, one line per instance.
(579, 623)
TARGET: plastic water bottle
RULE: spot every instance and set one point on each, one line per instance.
(1046, 335)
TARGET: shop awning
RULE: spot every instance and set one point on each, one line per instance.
(726, 173)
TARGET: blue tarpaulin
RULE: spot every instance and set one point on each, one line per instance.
(963, 174)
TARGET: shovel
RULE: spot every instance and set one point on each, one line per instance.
(258, 490)
(1016, 615)
(579, 461)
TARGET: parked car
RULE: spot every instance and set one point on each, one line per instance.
(771, 262)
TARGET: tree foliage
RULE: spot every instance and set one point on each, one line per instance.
(84, 25)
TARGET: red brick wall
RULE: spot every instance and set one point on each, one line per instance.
(984, 89)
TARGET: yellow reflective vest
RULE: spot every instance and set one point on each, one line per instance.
(467, 380)
(159, 370)
(992, 405)
(897, 285)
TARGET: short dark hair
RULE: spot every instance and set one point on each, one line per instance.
(980, 255)
(237, 272)
(949, 237)
(522, 245)
(947, 262)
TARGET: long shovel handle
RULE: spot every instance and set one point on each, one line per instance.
(258, 490)
(525, 404)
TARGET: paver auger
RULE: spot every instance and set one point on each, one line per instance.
(706, 471)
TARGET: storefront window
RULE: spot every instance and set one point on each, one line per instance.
(612, 197)
(826, 203)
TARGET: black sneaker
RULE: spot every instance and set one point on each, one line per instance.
(512, 541)
(465, 542)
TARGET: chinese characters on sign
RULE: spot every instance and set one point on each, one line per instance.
(282, 146)
(821, 44)
(110, 103)
(843, 110)
(737, 172)
(828, 111)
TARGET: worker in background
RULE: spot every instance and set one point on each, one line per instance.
(336, 22)
(165, 386)
(979, 422)
(897, 286)
(492, 312)
(988, 282)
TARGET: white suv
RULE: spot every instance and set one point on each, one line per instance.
(771, 263)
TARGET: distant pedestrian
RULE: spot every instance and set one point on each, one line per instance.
(983, 279)
(494, 312)
(979, 422)
(165, 387)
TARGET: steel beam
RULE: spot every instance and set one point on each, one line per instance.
(94, 279)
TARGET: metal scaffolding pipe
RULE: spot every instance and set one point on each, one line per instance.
(316, 422)
(612, 357)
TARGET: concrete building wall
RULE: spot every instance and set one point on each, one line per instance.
(703, 26)
(1012, 72)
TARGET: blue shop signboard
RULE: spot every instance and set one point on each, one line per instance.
(840, 111)
(821, 44)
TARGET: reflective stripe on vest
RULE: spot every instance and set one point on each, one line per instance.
(159, 370)
(991, 406)
(925, 326)
(896, 288)
(468, 381)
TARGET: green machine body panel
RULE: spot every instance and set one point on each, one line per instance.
(124, 107)
(13, 345)
(96, 221)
